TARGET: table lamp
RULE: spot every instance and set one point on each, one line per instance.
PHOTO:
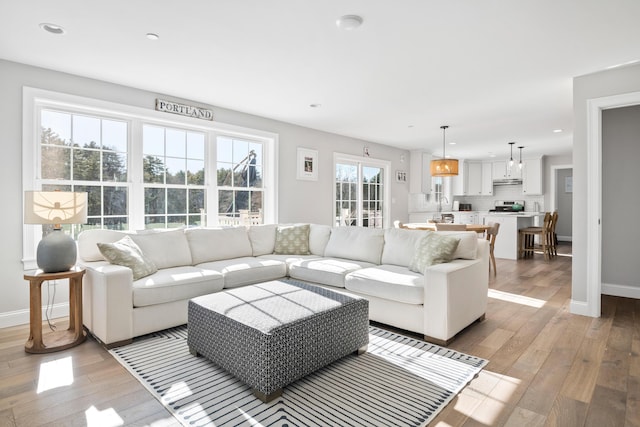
(57, 250)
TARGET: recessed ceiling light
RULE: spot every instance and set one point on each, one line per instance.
(315, 105)
(152, 36)
(452, 143)
(557, 130)
(349, 22)
(52, 28)
(492, 155)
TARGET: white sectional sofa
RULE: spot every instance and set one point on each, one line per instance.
(368, 262)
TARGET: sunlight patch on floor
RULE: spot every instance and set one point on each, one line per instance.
(54, 374)
(107, 418)
(517, 299)
(177, 391)
(488, 396)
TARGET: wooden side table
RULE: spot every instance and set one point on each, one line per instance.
(57, 340)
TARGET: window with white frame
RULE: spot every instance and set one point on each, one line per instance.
(174, 176)
(87, 153)
(141, 168)
(240, 183)
(361, 191)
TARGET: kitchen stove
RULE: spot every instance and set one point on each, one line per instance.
(508, 206)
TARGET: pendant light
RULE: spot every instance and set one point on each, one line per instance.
(511, 160)
(444, 166)
(520, 164)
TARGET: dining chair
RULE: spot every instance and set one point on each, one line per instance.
(527, 236)
(441, 226)
(491, 237)
(553, 237)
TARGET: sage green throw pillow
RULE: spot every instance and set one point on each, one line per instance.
(433, 249)
(292, 240)
(126, 253)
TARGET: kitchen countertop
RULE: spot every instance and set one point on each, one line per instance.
(519, 214)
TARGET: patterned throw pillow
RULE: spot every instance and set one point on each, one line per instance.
(292, 240)
(433, 249)
(126, 253)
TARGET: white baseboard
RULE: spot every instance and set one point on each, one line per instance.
(579, 307)
(564, 238)
(22, 317)
(621, 290)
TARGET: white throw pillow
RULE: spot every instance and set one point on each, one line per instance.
(215, 244)
(468, 246)
(356, 243)
(165, 248)
(263, 238)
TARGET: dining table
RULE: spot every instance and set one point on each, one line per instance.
(478, 228)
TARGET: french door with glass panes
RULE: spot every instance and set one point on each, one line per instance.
(361, 192)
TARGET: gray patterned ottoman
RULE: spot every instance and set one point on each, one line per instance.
(271, 334)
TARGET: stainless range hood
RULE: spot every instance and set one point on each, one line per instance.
(507, 181)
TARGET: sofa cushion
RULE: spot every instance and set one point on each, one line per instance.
(165, 249)
(390, 282)
(263, 238)
(126, 253)
(400, 244)
(87, 243)
(174, 284)
(213, 244)
(356, 243)
(327, 271)
(433, 249)
(247, 270)
(318, 238)
(292, 239)
(288, 259)
(468, 245)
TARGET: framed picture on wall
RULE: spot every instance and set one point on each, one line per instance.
(568, 184)
(401, 176)
(307, 164)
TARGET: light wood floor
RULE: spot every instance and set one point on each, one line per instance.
(547, 367)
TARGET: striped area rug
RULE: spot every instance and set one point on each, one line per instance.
(400, 381)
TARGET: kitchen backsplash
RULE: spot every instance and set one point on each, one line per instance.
(423, 203)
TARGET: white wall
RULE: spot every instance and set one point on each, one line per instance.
(301, 201)
(607, 83)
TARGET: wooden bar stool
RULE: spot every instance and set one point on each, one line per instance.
(527, 236)
(491, 237)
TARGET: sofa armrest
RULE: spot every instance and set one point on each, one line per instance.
(456, 294)
(108, 302)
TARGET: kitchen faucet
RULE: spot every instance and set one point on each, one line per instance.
(440, 202)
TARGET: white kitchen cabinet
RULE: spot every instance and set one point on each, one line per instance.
(479, 179)
(419, 175)
(501, 170)
(474, 178)
(460, 183)
(487, 179)
(465, 217)
(532, 184)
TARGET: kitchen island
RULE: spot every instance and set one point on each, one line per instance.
(506, 245)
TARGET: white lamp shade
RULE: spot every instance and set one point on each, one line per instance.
(55, 207)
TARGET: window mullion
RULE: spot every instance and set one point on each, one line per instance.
(136, 176)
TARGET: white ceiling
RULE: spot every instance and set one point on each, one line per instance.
(493, 70)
